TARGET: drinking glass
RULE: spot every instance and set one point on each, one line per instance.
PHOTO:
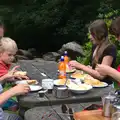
(116, 116)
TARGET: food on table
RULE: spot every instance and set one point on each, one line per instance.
(21, 73)
(77, 75)
(62, 82)
(87, 76)
(93, 82)
(30, 82)
(78, 87)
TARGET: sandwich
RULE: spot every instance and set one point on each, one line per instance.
(21, 73)
(32, 82)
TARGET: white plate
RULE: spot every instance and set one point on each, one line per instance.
(22, 82)
(101, 86)
(71, 71)
(32, 87)
(80, 91)
(35, 87)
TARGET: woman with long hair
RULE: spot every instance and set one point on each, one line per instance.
(105, 69)
(103, 52)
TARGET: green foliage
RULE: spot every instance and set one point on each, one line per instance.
(47, 24)
(87, 50)
(108, 14)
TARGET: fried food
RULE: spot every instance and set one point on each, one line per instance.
(77, 87)
(93, 82)
(77, 75)
(21, 73)
(30, 82)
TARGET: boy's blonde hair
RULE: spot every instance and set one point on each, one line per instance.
(7, 44)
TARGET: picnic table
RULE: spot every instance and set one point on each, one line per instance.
(34, 70)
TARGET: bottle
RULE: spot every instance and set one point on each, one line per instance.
(62, 68)
(66, 59)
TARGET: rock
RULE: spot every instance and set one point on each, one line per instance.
(25, 54)
(21, 57)
(33, 51)
(73, 49)
(50, 56)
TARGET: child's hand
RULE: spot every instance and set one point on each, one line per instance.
(21, 77)
(20, 89)
(102, 69)
(10, 74)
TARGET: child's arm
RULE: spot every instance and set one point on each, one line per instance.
(17, 90)
(114, 74)
(107, 70)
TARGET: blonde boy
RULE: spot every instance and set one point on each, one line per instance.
(8, 49)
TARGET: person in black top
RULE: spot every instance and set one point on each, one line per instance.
(107, 70)
(103, 52)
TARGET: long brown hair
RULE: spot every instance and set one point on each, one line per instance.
(99, 31)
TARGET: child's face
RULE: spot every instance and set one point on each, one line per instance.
(7, 57)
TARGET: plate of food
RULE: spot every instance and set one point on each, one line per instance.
(95, 83)
(35, 87)
(33, 84)
(61, 82)
(78, 75)
(79, 89)
(30, 82)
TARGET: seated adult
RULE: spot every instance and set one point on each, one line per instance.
(103, 52)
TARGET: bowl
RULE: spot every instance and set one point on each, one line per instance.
(80, 89)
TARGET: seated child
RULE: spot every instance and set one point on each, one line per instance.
(8, 49)
(17, 90)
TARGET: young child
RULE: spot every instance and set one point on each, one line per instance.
(17, 90)
(8, 49)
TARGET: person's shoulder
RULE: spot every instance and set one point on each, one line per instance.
(111, 46)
